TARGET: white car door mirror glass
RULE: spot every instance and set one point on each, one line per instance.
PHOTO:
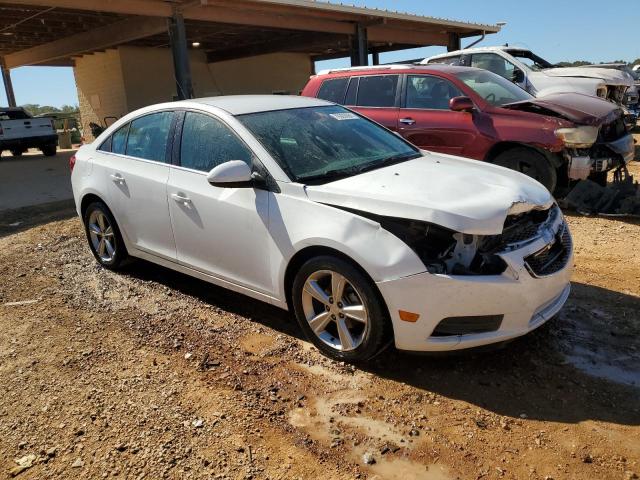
(230, 174)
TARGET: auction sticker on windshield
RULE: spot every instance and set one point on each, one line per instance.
(344, 116)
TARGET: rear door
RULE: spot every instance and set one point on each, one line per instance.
(426, 120)
(376, 97)
(138, 170)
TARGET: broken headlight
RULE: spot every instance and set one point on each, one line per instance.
(578, 137)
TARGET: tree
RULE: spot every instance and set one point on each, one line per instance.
(36, 109)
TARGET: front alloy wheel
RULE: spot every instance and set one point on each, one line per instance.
(340, 310)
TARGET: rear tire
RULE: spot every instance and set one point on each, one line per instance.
(104, 237)
(531, 163)
(17, 153)
(49, 150)
(352, 327)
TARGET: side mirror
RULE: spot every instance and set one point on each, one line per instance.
(234, 173)
(461, 104)
(518, 76)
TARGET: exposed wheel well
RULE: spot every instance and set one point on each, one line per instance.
(499, 148)
(307, 253)
(87, 200)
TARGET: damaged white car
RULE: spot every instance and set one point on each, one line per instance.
(311, 207)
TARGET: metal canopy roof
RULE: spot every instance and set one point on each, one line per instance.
(52, 32)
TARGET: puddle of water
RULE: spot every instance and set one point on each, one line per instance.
(402, 469)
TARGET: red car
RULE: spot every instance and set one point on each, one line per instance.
(477, 114)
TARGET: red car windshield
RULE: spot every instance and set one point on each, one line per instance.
(495, 89)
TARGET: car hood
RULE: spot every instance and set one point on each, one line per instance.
(609, 75)
(466, 196)
(575, 107)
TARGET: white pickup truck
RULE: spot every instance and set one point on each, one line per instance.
(539, 77)
(19, 131)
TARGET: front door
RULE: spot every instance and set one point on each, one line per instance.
(219, 231)
(426, 120)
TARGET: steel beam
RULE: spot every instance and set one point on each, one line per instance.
(360, 47)
(454, 42)
(181, 66)
(8, 86)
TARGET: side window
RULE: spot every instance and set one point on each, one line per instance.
(352, 91)
(207, 142)
(455, 60)
(148, 136)
(494, 63)
(333, 89)
(119, 140)
(377, 91)
(429, 92)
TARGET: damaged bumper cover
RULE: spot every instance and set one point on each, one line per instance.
(602, 157)
(459, 311)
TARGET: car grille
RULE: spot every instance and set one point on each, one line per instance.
(552, 258)
(526, 226)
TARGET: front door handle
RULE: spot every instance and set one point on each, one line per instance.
(181, 199)
(117, 178)
(407, 121)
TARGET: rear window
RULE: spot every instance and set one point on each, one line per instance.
(455, 60)
(377, 91)
(333, 90)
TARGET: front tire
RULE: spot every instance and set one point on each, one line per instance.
(104, 237)
(531, 163)
(340, 310)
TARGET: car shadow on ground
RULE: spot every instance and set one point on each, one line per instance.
(19, 219)
(527, 378)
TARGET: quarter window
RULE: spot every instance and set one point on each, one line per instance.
(207, 142)
(377, 91)
(494, 63)
(333, 90)
(119, 140)
(429, 92)
(148, 136)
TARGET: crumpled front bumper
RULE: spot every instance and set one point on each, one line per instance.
(622, 152)
(525, 301)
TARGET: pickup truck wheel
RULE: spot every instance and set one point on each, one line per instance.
(531, 163)
(17, 153)
(49, 150)
(339, 310)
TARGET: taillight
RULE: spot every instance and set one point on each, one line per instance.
(72, 162)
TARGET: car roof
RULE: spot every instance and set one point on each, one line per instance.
(395, 68)
(478, 49)
(243, 104)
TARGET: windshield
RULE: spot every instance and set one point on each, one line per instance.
(531, 60)
(495, 89)
(319, 144)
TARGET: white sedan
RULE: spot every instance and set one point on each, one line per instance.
(311, 207)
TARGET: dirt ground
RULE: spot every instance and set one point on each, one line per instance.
(151, 374)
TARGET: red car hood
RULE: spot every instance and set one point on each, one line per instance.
(575, 107)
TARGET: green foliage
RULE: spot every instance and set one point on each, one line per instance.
(35, 109)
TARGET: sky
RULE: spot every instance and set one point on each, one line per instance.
(556, 30)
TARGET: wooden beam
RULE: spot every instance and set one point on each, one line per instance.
(387, 34)
(125, 7)
(298, 43)
(99, 38)
(270, 20)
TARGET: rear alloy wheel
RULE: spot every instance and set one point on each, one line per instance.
(531, 163)
(339, 310)
(104, 237)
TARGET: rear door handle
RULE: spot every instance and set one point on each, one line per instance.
(181, 199)
(117, 178)
(407, 121)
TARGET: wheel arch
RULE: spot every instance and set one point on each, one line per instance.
(499, 148)
(87, 200)
(307, 253)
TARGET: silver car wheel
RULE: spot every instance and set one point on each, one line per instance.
(335, 310)
(102, 236)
